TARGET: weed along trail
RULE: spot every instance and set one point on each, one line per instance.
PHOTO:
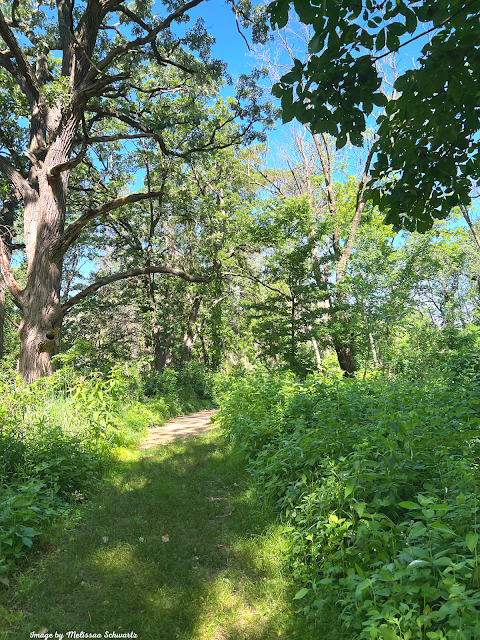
(174, 546)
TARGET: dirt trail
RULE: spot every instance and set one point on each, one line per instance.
(193, 425)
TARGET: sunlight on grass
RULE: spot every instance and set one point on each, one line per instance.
(176, 546)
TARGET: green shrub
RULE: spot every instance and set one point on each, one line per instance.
(58, 436)
(26, 509)
(377, 483)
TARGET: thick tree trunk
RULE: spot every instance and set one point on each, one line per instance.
(162, 354)
(40, 300)
(345, 358)
(41, 323)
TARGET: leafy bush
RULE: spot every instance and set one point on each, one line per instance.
(188, 388)
(58, 436)
(378, 486)
(26, 509)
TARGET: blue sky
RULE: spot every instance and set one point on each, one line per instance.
(229, 46)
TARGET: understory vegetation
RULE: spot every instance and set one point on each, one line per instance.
(59, 436)
(168, 245)
(376, 482)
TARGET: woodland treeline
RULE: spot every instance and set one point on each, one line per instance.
(145, 217)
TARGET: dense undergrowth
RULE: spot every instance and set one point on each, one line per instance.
(59, 436)
(377, 484)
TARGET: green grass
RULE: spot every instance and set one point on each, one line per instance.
(218, 577)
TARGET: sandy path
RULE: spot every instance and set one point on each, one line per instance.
(193, 425)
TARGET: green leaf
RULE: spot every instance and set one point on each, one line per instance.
(279, 12)
(364, 584)
(439, 526)
(472, 540)
(409, 505)
(388, 634)
(359, 508)
(350, 486)
(417, 530)
(380, 43)
(301, 594)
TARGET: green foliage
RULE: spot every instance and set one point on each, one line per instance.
(186, 389)
(59, 435)
(377, 484)
(428, 145)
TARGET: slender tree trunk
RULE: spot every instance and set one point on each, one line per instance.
(318, 357)
(468, 220)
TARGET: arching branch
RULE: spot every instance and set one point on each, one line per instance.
(131, 273)
(72, 232)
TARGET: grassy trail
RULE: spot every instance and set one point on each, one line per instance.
(174, 546)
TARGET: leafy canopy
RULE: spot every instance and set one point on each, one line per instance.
(427, 152)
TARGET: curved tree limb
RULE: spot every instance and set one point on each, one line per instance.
(22, 63)
(72, 232)
(7, 274)
(17, 180)
(133, 44)
(130, 273)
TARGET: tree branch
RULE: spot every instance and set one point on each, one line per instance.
(118, 136)
(17, 180)
(7, 274)
(131, 273)
(468, 220)
(133, 44)
(7, 317)
(342, 263)
(254, 279)
(14, 71)
(22, 63)
(70, 164)
(72, 232)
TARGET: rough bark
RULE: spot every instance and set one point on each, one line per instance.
(345, 357)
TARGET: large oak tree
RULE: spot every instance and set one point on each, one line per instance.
(91, 73)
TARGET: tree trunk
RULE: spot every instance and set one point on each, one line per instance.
(40, 300)
(345, 358)
(41, 322)
(318, 356)
(189, 337)
(162, 355)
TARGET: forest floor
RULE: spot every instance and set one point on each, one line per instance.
(175, 545)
